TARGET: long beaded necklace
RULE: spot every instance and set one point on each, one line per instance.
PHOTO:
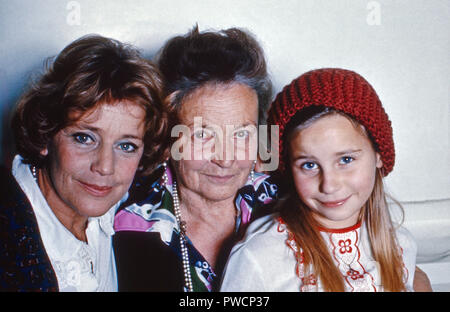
(182, 225)
(183, 241)
(34, 172)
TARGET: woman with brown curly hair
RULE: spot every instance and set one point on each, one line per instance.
(82, 131)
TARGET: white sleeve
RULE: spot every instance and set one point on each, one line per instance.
(243, 272)
(409, 253)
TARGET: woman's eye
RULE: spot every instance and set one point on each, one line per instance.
(242, 134)
(346, 160)
(128, 147)
(202, 134)
(83, 138)
(309, 166)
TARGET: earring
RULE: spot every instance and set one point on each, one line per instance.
(252, 172)
(165, 177)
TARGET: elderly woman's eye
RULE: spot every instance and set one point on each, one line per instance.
(242, 134)
(199, 134)
(82, 138)
(203, 134)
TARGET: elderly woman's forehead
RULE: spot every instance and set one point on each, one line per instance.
(232, 98)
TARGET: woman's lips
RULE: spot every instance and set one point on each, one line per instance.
(219, 179)
(335, 203)
(96, 190)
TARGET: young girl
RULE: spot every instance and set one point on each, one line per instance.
(333, 230)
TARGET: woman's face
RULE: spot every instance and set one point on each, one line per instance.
(93, 161)
(334, 165)
(221, 140)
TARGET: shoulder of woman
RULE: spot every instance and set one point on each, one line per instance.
(263, 232)
(142, 208)
(15, 208)
(126, 220)
(10, 190)
(28, 262)
(258, 195)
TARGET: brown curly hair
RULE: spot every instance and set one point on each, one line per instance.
(88, 72)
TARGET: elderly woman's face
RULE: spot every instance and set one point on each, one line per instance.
(223, 143)
(93, 161)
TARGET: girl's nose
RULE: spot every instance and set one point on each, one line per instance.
(104, 161)
(330, 182)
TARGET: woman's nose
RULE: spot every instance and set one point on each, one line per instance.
(104, 161)
(330, 182)
(223, 154)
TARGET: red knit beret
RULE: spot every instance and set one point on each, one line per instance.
(343, 90)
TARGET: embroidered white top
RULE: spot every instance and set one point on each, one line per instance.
(78, 266)
(266, 259)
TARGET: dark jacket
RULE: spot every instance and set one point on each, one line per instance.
(24, 263)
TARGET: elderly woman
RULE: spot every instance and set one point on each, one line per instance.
(82, 131)
(177, 236)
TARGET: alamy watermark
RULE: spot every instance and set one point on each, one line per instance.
(374, 16)
(229, 143)
(74, 16)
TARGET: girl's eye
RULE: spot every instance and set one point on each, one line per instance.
(345, 160)
(83, 138)
(128, 147)
(309, 166)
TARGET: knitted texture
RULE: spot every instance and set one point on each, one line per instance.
(343, 90)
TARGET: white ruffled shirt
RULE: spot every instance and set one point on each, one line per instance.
(265, 260)
(79, 266)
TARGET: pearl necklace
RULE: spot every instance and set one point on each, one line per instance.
(34, 172)
(183, 241)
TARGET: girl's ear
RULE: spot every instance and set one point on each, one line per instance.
(44, 152)
(379, 161)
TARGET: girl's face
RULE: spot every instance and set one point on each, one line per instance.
(93, 161)
(334, 165)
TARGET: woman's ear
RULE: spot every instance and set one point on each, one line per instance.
(166, 154)
(44, 152)
(379, 163)
(258, 164)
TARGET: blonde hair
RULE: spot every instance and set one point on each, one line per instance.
(315, 254)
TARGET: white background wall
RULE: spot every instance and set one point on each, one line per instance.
(401, 47)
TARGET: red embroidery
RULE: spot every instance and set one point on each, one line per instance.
(345, 246)
(354, 274)
(281, 225)
(310, 280)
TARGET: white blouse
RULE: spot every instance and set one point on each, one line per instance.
(79, 266)
(265, 260)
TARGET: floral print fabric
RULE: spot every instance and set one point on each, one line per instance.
(153, 212)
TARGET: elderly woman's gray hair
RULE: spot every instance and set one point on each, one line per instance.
(224, 57)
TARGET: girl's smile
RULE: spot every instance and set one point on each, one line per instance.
(335, 203)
